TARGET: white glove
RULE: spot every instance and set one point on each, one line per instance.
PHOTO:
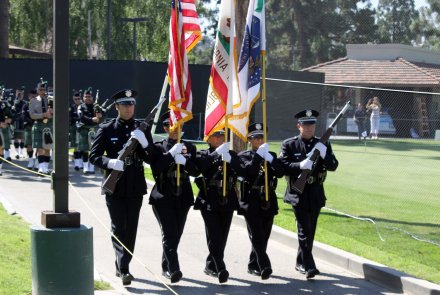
(116, 164)
(226, 157)
(140, 136)
(176, 149)
(224, 148)
(322, 149)
(263, 149)
(180, 159)
(306, 164)
(268, 157)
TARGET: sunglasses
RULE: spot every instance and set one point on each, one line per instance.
(88, 96)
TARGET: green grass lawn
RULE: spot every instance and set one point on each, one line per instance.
(393, 182)
(15, 257)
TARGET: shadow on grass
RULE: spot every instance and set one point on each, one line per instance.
(387, 154)
(392, 145)
(377, 219)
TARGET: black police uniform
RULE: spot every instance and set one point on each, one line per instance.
(259, 221)
(125, 203)
(171, 210)
(307, 205)
(217, 214)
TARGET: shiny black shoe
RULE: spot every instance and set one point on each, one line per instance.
(174, 277)
(17, 157)
(76, 168)
(210, 272)
(300, 268)
(254, 272)
(223, 276)
(9, 159)
(311, 273)
(126, 278)
(265, 273)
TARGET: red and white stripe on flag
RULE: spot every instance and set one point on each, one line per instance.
(191, 24)
(178, 73)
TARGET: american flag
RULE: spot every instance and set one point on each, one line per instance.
(191, 25)
(184, 26)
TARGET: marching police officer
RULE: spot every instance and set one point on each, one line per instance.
(41, 112)
(125, 203)
(170, 201)
(258, 212)
(28, 123)
(216, 209)
(88, 129)
(306, 206)
(73, 134)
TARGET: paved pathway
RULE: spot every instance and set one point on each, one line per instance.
(31, 194)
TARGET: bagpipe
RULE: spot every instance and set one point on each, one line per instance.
(47, 133)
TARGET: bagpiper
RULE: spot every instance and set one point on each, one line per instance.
(41, 111)
(74, 119)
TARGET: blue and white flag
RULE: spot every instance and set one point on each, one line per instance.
(247, 77)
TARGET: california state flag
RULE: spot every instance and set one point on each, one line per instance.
(220, 82)
(247, 73)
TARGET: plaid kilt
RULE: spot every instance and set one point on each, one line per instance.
(37, 132)
(6, 138)
(28, 136)
(18, 134)
(83, 144)
(73, 136)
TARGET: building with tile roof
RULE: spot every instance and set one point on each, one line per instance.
(392, 66)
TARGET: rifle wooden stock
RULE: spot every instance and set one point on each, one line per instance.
(110, 182)
(300, 182)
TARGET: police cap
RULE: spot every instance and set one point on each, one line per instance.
(307, 117)
(256, 130)
(126, 96)
(219, 132)
(165, 118)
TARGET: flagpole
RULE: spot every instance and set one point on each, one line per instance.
(263, 73)
(224, 162)
(162, 94)
(178, 165)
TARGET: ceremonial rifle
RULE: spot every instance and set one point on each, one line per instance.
(110, 183)
(299, 184)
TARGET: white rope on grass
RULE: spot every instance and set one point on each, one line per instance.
(377, 226)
